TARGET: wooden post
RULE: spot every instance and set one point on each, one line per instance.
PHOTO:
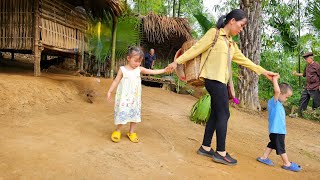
(37, 52)
(82, 55)
(114, 40)
(78, 60)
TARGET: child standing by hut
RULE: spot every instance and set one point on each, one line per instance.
(128, 96)
(277, 126)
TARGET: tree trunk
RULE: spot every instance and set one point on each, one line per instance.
(174, 8)
(250, 46)
(114, 38)
(179, 8)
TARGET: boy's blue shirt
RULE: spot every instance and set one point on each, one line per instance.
(277, 117)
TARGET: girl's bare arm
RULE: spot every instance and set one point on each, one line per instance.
(151, 71)
(115, 83)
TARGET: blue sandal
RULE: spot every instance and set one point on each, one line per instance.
(265, 161)
(293, 167)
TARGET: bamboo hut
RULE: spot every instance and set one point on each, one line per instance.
(165, 34)
(55, 26)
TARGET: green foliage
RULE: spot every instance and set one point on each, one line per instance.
(295, 98)
(100, 36)
(200, 111)
(283, 63)
(226, 6)
(314, 9)
(312, 114)
(163, 7)
(183, 8)
(128, 34)
(283, 19)
(203, 21)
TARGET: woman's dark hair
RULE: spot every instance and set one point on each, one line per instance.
(132, 51)
(237, 14)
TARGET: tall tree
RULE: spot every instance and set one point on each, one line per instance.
(174, 8)
(179, 7)
(250, 46)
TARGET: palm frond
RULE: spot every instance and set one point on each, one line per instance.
(289, 38)
(203, 21)
(99, 43)
(128, 34)
(315, 11)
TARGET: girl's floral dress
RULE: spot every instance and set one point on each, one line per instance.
(128, 97)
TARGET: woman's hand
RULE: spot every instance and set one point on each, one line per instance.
(269, 75)
(171, 66)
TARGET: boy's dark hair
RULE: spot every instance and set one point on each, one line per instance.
(132, 51)
(237, 14)
(284, 87)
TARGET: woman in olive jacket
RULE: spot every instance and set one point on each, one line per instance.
(216, 75)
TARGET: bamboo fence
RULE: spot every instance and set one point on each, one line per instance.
(16, 24)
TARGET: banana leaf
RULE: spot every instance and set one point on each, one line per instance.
(200, 111)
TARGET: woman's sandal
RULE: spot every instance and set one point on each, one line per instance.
(115, 136)
(133, 137)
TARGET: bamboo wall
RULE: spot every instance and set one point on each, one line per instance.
(61, 26)
(16, 24)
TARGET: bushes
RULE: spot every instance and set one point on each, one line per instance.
(312, 114)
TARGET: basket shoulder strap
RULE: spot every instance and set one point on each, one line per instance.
(212, 45)
(216, 37)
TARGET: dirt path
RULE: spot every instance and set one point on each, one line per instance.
(49, 131)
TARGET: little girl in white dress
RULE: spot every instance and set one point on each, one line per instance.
(127, 107)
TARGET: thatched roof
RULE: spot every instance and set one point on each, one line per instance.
(164, 34)
(98, 6)
(158, 29)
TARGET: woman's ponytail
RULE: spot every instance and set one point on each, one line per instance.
(221, 22)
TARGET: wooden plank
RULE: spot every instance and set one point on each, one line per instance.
(70, 51)
(155, 79)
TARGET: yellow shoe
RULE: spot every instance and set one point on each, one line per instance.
(115, 136)
(133, 137)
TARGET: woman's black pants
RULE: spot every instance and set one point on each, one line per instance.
(219, 116)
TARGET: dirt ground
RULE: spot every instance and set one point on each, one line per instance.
(50, 131)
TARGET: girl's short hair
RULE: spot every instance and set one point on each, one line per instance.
(237, 14)
(133, 51)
